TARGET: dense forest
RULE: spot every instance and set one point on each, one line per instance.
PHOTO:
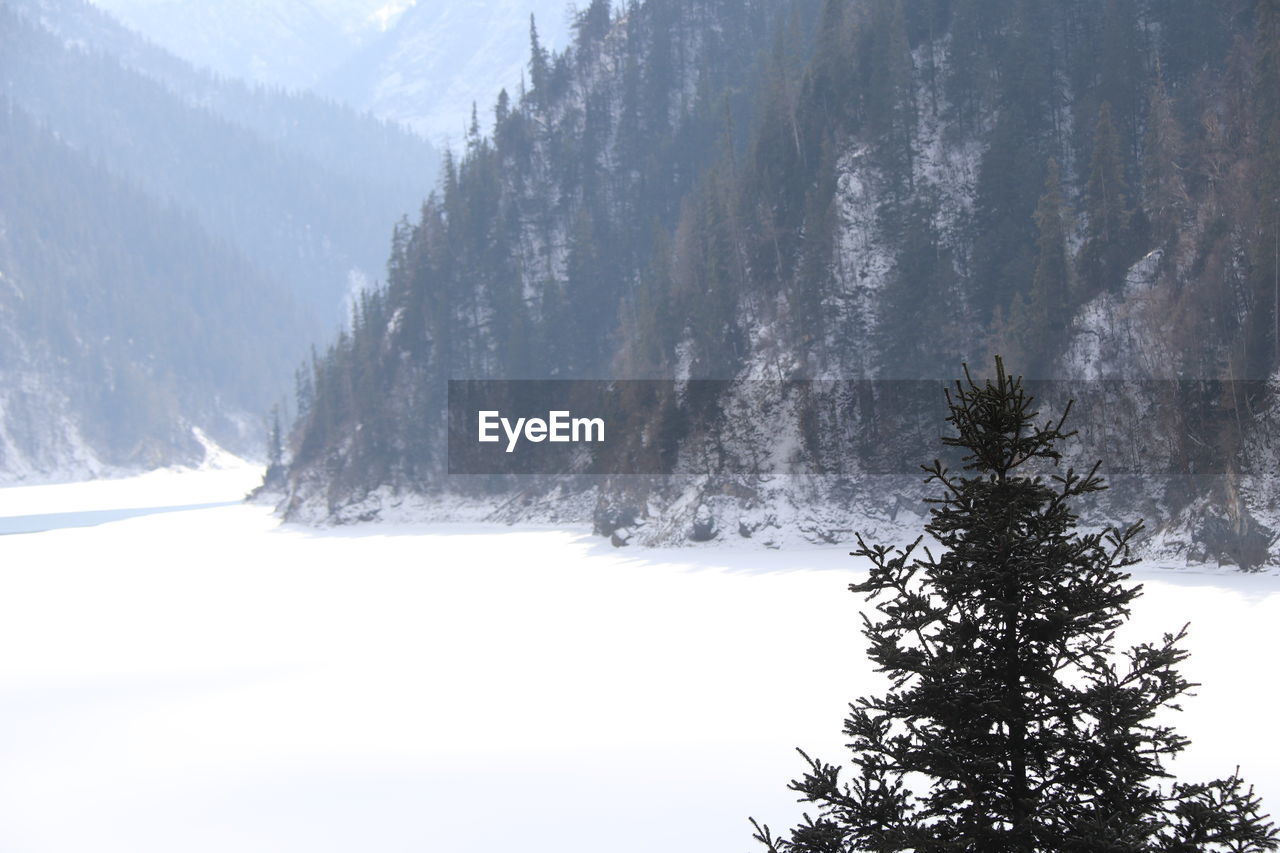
(849, 189)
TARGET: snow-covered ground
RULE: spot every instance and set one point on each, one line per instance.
(209, 680)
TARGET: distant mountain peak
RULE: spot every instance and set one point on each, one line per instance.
(387, 14)
(436, 59)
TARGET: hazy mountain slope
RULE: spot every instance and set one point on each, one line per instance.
(305, 225)
(438, 58)
(420, 63)
(122, 323)
(324, 131)
(247, 205)
(289, 43)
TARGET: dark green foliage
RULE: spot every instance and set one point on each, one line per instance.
(922, 294)
(539, 62)
(972, 27)
(1004, 249)
(1012, 169)
(1194, 35)
(1120, 72)
(1164, 194)
(1011, 723)
(1038, 323)
(1106, 252)
(890, 110)
(1264, 329)
(592, 24)
(705, 276)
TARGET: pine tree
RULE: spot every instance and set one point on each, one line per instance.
(1120, 62)
(1012, 169)
(1264, 333)
(1164, 193)
(890, 93)
(1041, 322)
(1106, 253)
(592, 24)
(1193, 35)
(968, 68)
(538, 61)
(275, 440)
(1010, 716)
(920, 295)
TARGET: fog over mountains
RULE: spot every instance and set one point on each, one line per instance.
(171, 243)
(439, 56)
(420, 63)
(285, 43)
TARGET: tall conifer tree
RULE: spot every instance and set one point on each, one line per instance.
(1164, 192)
(1040, 322)
(1106, 252)
(1010, 725)
(1265, 331)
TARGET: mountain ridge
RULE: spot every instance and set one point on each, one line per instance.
(244, 175)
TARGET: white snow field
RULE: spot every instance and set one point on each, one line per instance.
(210, 680)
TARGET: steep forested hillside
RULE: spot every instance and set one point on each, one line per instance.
(212, 235)
(519, 265)
(122, 323)
(854, 189)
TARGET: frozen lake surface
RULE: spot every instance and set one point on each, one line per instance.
(180, 673)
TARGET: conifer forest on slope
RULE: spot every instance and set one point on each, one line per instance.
(877, 190)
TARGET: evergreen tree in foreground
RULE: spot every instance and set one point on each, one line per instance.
(1010, 724)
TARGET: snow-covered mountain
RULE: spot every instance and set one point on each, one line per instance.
(420, 63)
(439, 58)
(879, 198)
(155, 219)
(290, 43)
